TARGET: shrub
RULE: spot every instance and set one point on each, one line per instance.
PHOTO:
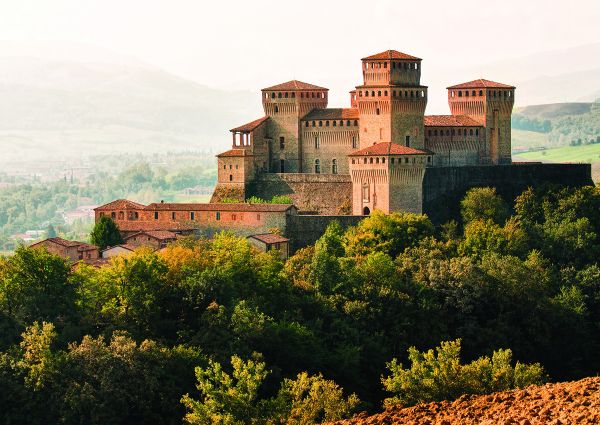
(439, 375)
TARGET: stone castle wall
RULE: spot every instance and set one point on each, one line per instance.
(444, 187)
(319, 193)
(304, 230)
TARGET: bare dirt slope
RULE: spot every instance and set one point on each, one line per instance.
(563, 403)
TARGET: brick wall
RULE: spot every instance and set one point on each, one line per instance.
(304, 230)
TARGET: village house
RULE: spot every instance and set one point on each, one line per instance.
(270, 241)
(71, 250)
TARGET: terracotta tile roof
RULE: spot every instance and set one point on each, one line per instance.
(269, 238)
(450, 121)
(86, 247)
(220, 207)
(143, 226)
(387, 148)
(120, 204)
(391, 54)
(58, 241)
(251, 125)
(295, 85)
(332, 114)
(481, 83)
(235, 152)
(126, 246)
(156, 234)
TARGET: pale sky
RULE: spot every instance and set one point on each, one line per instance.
(253, 44)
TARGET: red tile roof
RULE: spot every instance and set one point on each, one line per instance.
(126, 246)
(59, 241)
(295, 85)
(481, 83)
(332, 114)
(391, 54)
(450, 121)
(387, 148)
(120, 204)
(269, 238)
(86, 247)
(156, 234)
(164, 206)
(251, 125)
(235, 152)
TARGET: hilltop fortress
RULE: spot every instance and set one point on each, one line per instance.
(381, 153)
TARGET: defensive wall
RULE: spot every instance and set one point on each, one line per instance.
(444, 187)
(304, 230)
(324, 194)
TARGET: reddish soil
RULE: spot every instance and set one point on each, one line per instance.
(565, 403)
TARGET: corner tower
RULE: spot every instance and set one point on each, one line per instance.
(285, 104)
(490, 104)
(391, 101)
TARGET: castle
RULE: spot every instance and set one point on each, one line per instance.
(382, 153)
(383, 142)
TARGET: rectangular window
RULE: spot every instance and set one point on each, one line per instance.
(365, 193)
(354, 142)
(218, 216)
(173, 215)
(282, 143)
(233, 217)
(407, 138)
(192, 215)
(156, 215)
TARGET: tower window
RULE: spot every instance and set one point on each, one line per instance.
(281, 142)
(407, 140)
(470, 132)
(480, 92)
(341, 123)
(286, 95)
(354, 142)
(192, 215)
(385, 93)
(365, 193)
(306, 124)
(355, 122)
(379, 93)
(327, 123)
(372, 93)
(474, 93)
(385, 65)
(317, 166)
(466, 93)
(317, 142)
(218, 216)
(282, 166)
(459, 93)
(334, 167)
(156, 215)
(173, 215)
(334, 123)
(314, 123)
(279, 95)
(377, 111)
(230, 177)
(293, 95)
(272, 95)
(366, 93)
(320, 123)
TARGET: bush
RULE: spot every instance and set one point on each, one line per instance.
(441, 376)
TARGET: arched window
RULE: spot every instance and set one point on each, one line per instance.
(113, 215)
(341, 123)
(377, 160)
(320, 123)
(230, 177)
(377, 111)
(306, 124)
(372, 93)
(273, 95)
(379, 93)
(293, 95)
(327, 123)
(121, 215)
(279, 95)
(480, 92)
(355, 122)
(334, 123)
(286, 95)
(366, 211)
(334, 167)
(302, 95)
(348, 123)
(366, 93)
(317, 166)
(370, 160)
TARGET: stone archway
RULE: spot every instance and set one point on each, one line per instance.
(366, 211)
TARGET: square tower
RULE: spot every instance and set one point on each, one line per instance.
(391, 101)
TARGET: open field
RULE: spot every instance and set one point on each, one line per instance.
(586, 153)
(528, 139)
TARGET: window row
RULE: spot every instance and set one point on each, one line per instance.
(194, 215)
(452, 132)
(395, 93)
(394, 65)
(292, 95)
(393, 160)
(506, 94)
(334, 123)
(334, 166)
(231, 166)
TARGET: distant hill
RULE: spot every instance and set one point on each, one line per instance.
(56, 108)
(554, 110)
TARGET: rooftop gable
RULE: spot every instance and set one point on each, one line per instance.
(294, 85)
(120, 204)
(387, 148)
(269, 238)
(391, 54)
(481, 83)
(251, 125)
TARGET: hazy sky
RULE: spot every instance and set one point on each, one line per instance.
(252, 44)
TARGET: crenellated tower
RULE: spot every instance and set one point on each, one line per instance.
(285, 104)
(391, 101)
(490, 104)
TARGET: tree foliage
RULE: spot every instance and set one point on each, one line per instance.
(106, 233)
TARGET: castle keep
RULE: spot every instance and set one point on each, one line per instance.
(380, 146)
(381, 153)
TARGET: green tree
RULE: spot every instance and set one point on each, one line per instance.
(106, 233)
(483, 203)
(50, 231)
(387, 233)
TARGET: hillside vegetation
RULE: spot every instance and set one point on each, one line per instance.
(212, 332)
